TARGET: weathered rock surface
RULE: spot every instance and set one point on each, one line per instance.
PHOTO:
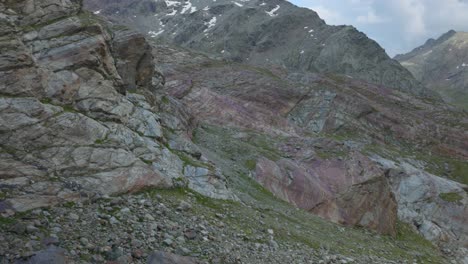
(262, 33)
(352, 192)
(436, 206)
(71, 127)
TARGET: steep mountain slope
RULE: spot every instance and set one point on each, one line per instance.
(113, 147)
(334, 146)
(442, 65)
(262, 33)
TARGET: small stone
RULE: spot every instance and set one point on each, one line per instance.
(138, 253)
(84, 241)
(149, 217)
(51, 240)
(125, 210)
(31, 229)
(185, 251)
(180, 239)
(184, 206)
(270, 231)
(73, 216)
(273, 245)
(56, 229)
(113, 221)
(220, 216)
(190, 234)
(19, 228)
(168, 242)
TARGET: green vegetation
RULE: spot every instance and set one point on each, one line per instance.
(69, 204)
(188, 160)
(435, 163)
(165, 100)
(250, 164)
(451, 197)
(7, 221)
(149, 162)
(99, 141)
(69, 108)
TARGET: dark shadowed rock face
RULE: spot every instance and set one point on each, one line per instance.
(262, 33)
(72, 125)
(442, 65)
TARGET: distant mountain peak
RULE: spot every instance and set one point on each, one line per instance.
(442, 65)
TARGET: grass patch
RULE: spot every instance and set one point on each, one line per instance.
(149, 162)
(188, 160)
(165, 100)
(251, 164)
(451, 197)
(69, 108)
(7, 221)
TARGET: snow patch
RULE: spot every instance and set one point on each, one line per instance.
(210, 24)
(188, 7)
(272, 13)
(170, 3)
(237, 4)
(154, 34)
(97, 12)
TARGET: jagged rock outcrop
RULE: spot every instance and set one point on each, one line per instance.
(268, 33)
(442, 65)
(437, 207)
(78, 110)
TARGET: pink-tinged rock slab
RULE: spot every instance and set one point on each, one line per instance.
(351, 192)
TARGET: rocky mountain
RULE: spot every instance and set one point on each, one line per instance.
(265, 33)
(442, 65)
(121, 149)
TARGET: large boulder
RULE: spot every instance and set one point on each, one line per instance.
(351, 192)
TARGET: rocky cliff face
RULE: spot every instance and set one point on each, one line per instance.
(262, 33)
(79, 112)
(442, 65)
(91, 111)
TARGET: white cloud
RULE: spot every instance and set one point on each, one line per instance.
(331, 17)
(370, 18)
(413, 13)
(398, 25)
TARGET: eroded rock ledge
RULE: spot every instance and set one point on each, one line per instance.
(79, 112)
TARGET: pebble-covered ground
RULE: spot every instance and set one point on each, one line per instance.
(129, 228)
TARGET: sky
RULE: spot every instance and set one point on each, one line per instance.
(397, 25)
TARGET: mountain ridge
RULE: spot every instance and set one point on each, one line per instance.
(263, 33)
(441, 65)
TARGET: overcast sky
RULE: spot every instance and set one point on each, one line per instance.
(397, 25)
